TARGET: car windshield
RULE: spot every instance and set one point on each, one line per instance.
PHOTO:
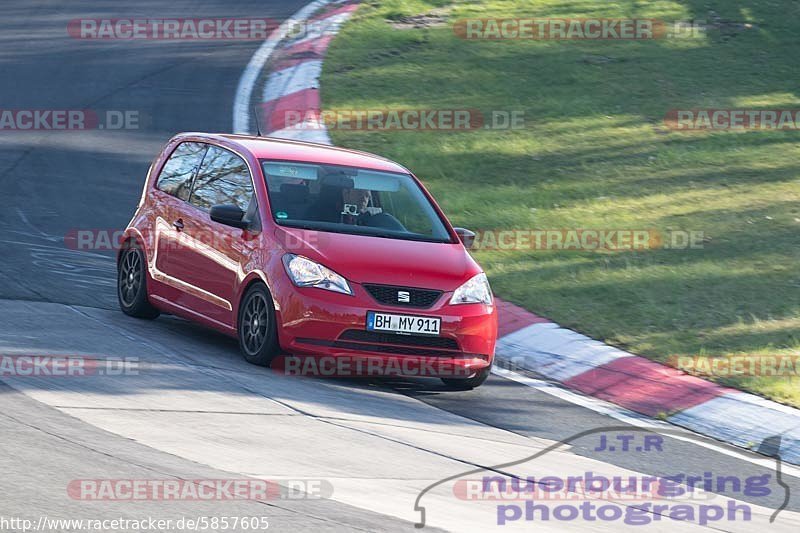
(351, 200)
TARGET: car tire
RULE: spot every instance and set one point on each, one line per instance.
(132, 283)
(469, 383)
(257, 327)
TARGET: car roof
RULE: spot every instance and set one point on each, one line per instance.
(302, 151)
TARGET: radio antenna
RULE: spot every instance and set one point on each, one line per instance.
(258, 126)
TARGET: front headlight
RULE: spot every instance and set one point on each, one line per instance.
(475, 291)
(306, 273)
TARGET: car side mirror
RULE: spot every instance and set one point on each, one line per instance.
(230, 215)
(467, 237)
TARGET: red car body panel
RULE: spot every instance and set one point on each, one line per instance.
(202, 270)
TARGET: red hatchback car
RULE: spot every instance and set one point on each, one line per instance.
(309, 250)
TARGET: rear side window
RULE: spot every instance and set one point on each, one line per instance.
(223, 179)
(177, 173)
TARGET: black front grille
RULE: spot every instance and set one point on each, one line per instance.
(377, 337)
(403, 296)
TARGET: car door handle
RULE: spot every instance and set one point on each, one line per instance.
(178, 224)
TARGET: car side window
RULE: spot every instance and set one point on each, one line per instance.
(177, 173)
(223, 179)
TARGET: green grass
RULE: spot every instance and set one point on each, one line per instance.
(594, 153)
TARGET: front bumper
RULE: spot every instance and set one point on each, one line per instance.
(323, 324)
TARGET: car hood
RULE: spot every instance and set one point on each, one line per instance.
(366, 259)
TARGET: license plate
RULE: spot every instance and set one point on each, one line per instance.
(403, 324)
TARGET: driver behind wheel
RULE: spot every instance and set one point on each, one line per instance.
(356, 202)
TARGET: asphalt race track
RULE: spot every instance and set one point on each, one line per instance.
(195, 409)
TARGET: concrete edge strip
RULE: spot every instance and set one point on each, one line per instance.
(531, 342)
(302, 76)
